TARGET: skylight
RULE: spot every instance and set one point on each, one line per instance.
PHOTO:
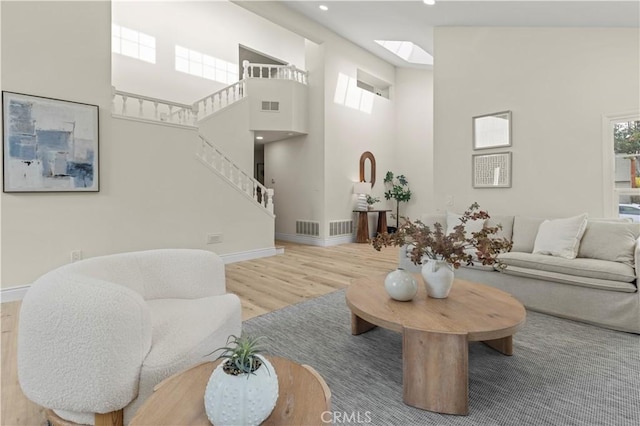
(407, 51)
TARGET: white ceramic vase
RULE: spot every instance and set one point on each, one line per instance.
(438, 278)
(400, 285)
(241, 400)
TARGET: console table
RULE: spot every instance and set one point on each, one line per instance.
(362, 233)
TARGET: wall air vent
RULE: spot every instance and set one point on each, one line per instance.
(340, 227)
(270, 106)
(308, 227)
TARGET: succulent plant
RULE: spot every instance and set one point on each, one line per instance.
(241, 354)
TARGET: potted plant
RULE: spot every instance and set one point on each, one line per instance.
(371, 201)
(440, 253)
(399, 191)
(243, 389)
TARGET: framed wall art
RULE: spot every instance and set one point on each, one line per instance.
(492, 130)
(49, 145)
(492, 170)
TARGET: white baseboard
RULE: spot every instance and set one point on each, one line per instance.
(12, 294)
(316, 241)
(248, 255)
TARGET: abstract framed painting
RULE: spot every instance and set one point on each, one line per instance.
(49, 145)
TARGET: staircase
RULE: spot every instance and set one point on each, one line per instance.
(136, 107)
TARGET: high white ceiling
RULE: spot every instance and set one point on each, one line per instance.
(362, 22)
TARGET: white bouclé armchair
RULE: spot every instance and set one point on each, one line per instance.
(97, 335)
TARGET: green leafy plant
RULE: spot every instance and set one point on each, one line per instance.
(456, 248)
(372, 200)
(241, 355)
(399, 191)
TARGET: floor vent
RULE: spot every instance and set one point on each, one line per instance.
(340, 227)
(307, 227)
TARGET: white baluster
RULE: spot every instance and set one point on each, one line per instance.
(245, 69)
(140, 113)
(194, 114)
(124, 105)
(155, 110)
(269, 205)
(170, 118)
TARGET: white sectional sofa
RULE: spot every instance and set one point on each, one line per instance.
(599, 286)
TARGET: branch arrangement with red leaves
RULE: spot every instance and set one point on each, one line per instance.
(456, 248)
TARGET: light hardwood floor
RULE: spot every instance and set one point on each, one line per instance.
(264, 285)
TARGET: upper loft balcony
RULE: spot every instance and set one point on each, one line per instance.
(275, 98)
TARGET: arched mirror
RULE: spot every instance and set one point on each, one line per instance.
(368, 168)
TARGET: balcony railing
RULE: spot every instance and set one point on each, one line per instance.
(145, 108)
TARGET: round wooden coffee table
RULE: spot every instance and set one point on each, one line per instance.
(303, 397)
(435, 335)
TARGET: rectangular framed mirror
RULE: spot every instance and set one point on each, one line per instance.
(492, 130)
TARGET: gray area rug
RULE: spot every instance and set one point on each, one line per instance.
(562, 372)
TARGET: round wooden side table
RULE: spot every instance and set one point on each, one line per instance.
(179, 400)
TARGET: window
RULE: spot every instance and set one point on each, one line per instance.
(349, 94)
(205, 66)
(132, 43)
(622, 165)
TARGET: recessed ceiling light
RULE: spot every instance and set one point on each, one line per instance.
(323, 7)
(259, 138)
(429, 2)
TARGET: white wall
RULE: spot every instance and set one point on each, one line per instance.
(413, 149)
(229, 130)
(558, 83)
(295, 167)
(215, 28)
(153, 192)
(350, 132)
(293, 99)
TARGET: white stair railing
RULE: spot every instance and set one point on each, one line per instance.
(145, 108)
(219, 100)
(270, 71)
(214, 158)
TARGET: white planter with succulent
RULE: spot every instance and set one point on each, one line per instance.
(243, 389)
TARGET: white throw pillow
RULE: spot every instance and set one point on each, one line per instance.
(470, 226)
(560, 237)
(453, 220)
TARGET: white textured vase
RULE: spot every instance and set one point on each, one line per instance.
(438, 278)
(241, 400)
(400, 285)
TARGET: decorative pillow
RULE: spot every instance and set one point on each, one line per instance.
(470, 226)
(525, 230)
(453, 220)
(431, 219)
(507, 226)
(560, 237)
(613, 241)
